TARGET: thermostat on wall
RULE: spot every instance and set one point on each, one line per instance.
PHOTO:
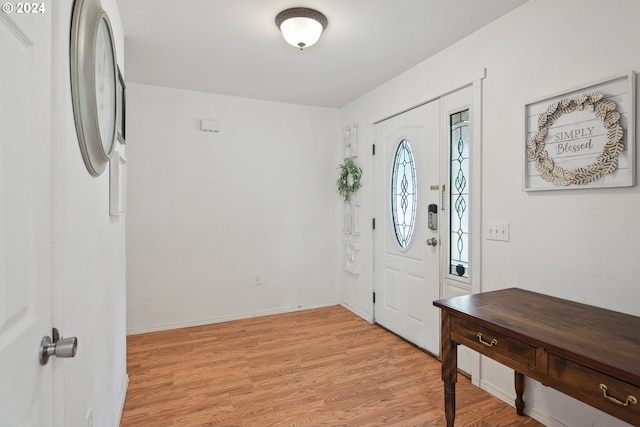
(210, 126)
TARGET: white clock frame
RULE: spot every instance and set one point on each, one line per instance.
(95, 106)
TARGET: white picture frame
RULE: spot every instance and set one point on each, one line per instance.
(350, 141)
(351, 264)
(117, 185)
(351, 218)
(567, 138)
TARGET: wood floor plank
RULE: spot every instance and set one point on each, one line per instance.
(322, 367)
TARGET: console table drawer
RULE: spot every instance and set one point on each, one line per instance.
(610, 394)
(486, 340)
(529, 344)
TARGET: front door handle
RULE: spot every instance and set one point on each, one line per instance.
(62, 347)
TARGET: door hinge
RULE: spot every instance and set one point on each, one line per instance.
(373, 223)
(373, 149)
(374, 297)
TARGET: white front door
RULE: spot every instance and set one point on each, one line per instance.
(25, 214)
(406, 250)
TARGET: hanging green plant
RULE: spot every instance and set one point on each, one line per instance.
(349, 181)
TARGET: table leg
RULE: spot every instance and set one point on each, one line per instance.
(519, 382)
(449, 356)
(450, 403)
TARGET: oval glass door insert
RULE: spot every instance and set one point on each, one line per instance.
(404, 194)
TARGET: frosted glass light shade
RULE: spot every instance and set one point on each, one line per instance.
(301, 32)
(301, 27)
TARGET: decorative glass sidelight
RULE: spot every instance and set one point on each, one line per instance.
(404, 194)
(459, 194)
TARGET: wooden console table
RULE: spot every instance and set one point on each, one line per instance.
(586, 352)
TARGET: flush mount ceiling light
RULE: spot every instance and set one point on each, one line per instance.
(301, 27)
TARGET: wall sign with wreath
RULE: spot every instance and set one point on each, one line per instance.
(349, 180)
(582, 139)
(348, 184)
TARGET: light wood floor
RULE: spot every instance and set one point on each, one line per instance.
(322, 367)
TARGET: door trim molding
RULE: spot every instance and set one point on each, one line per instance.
(474, 76)
(123, 397)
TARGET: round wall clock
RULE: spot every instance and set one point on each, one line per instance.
(93, 83)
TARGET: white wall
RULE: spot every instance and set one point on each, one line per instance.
(574, 244)
(88, 256)
(207, 211)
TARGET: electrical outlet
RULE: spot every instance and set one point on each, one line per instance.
(498, 231)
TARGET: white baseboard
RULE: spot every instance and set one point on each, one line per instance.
(122, 399)
(510, 399)
(357, 312)
(220, 319)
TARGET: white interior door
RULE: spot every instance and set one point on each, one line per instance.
(25, 215)
(406, 260)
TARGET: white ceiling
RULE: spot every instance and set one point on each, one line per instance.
(233, 47)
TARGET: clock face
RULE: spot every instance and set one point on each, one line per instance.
(93, 84)
(105, 86)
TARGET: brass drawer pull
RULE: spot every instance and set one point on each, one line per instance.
(488, 344)
(630, 398)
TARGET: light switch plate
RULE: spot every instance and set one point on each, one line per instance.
(498, 231)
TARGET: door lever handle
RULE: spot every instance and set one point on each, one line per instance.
(432, 242)
(64, 347)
